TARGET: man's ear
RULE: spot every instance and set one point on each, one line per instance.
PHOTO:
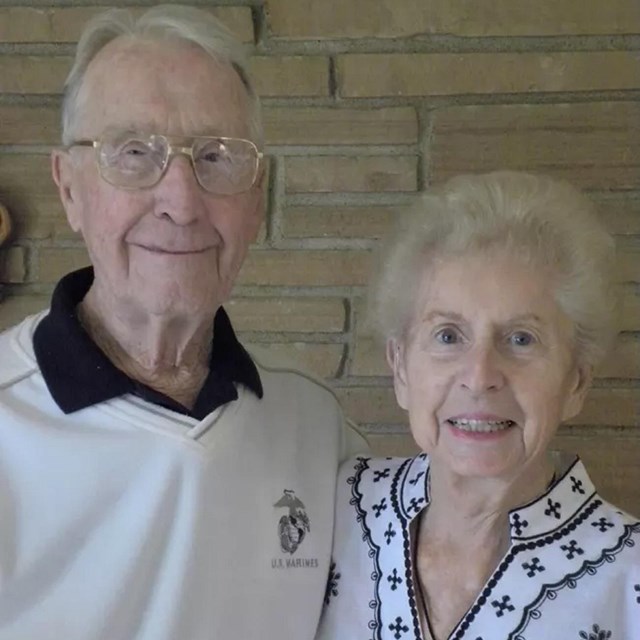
(583, 376)
(396, 361)
(64, 174)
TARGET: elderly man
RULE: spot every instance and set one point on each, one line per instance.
(157, 481)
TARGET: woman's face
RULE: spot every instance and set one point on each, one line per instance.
(487, 371)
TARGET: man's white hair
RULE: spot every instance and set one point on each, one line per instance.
(545, 222)
(184, 23)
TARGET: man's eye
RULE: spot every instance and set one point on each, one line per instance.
(447, 336)
(521, 339)
(210, 156)
(134, 148)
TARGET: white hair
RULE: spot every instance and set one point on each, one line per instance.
(545, 222)
(184, 23)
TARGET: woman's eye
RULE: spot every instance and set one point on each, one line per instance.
(447, 336)
(521, 339)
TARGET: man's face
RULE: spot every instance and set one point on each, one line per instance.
(172, 247)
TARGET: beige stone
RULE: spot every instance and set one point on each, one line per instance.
(594, 146)
(309, 19)
(54, 263)
(316, 126)
(13, 309)
(33, 74)
(629, 310)
(338, 222)
(23, 124)
(12, 265)
(623, 361)
(64, 24)
(291, 75)
(322, 360)
(298, 315)
(306, 268)
(323, 174)
(362, 75)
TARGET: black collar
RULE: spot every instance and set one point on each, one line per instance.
(78, 374)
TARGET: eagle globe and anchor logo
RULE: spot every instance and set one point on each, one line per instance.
(293, 527)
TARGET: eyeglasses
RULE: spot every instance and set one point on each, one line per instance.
(130, 160)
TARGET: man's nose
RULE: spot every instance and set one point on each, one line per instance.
(482, 370)
(178, 194)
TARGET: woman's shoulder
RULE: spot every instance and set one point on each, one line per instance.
(379, 473)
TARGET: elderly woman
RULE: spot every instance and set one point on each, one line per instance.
(495, 301)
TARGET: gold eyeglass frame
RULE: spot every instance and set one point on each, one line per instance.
(175, 146)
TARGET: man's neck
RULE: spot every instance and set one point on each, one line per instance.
(168, 354)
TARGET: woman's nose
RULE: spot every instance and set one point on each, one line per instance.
(482, 371)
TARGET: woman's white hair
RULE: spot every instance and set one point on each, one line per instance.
(546, 222)
(184, 23)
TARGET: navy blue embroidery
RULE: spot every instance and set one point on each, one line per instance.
(380, 507)
(414, 504)
(576, 485)
(397, 490)
(374, 549)
(332, 583)
(637, 588)
(415, 480)
(572, 549)
(518, 524)
(533, 567)
(596, 634)
(394, 579)
(510, 557)
(590, 567)
(502, 605)
(553, 509)
(399, 628)
(603, 524)
(389, 533)
(378, 475)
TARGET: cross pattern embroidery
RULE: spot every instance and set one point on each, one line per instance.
(398, 628)
(532, 567)
(380, 507)
(394, 579)
(518, 524)
(553, 509)
(502, 606)
(603, 524)
(576, 485)
(415, 480)
(572, 549)
(389, 533)
(378, 475)
(414, 504)
(636, 588)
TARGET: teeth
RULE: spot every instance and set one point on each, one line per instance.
(482, 425)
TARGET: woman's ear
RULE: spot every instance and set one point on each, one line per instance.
(581, 383)
(64, 174)
(396, 361)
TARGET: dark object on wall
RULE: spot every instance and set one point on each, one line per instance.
(5, 230)
(5, 224)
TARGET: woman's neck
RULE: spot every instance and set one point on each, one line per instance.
(469, 505)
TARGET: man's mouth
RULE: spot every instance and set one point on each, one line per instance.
(173, 252)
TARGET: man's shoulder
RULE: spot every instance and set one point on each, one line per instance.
(277, 370)
(16, 347)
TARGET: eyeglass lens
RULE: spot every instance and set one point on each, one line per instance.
(223, 166)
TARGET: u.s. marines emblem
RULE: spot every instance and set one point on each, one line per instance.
(293, 527)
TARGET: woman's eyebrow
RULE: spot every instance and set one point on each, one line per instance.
(436, 314)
